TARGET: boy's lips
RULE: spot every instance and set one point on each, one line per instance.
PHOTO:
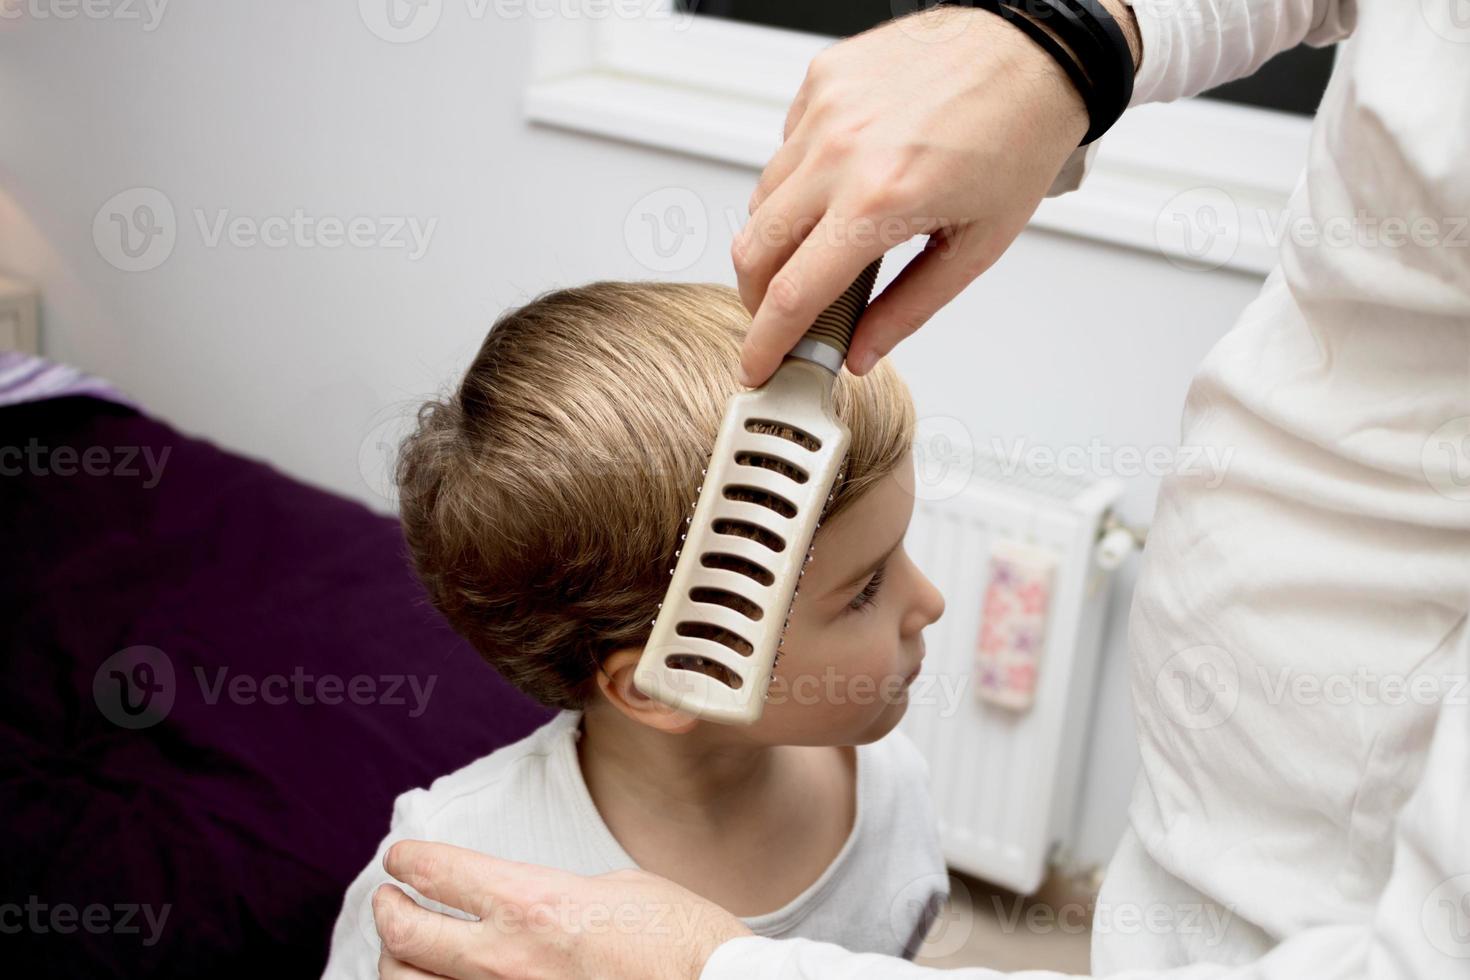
(918, 666)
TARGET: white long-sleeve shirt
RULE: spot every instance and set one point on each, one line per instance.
(1298, 636)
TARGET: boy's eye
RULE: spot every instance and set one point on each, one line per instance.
(869, 592)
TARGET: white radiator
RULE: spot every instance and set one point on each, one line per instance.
(1005, 781)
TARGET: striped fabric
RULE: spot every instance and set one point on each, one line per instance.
(27, 378)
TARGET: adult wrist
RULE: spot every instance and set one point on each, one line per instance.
(1096, 44)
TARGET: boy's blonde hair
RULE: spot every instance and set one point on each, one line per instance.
(543, 500)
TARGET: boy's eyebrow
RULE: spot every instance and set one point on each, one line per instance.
(870, 568)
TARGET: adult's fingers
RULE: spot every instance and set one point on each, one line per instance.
(790, 153)
(802, 100)
(825, 264)
(797, 111)
(456, 876)
(781, 165)
(950, 261)
(775, 231)
(413, 934)
(391, 969)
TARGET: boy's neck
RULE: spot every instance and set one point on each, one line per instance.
(703, 776)
(707, 809)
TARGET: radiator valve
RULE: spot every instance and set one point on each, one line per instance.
(1116, 541)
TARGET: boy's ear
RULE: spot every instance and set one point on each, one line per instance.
(615, 682)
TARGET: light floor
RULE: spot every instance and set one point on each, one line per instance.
(985, 925)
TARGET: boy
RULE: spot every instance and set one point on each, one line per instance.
(543, 503)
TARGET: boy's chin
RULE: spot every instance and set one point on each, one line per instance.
(885, 722)
(810, 726)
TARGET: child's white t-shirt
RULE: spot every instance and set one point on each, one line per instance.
(528, 802)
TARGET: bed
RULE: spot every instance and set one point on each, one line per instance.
(217, 679)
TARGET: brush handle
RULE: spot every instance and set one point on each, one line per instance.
(835, 324)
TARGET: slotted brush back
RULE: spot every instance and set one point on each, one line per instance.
(718, 631)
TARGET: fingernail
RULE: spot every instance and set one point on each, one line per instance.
(744, 377)
(864, 362)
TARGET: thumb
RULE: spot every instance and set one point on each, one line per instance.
(950, 261)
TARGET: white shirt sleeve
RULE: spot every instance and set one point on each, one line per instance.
(1420, 928)
(1190, 46)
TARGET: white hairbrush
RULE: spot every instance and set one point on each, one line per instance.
(780, 447)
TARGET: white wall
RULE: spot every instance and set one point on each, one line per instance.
(298, 356)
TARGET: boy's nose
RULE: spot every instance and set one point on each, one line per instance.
(935, 607)
(928, 604)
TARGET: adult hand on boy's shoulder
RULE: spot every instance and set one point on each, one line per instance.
(537, 922)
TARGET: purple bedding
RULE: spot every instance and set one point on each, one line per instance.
(216, 681)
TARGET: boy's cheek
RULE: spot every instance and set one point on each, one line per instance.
(828, 705)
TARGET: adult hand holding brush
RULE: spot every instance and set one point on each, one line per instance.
(950, 123)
